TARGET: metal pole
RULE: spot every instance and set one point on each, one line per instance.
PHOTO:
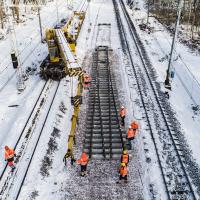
(14, 51)
(40, 23)
(57, 11)
(148, 12)
(167, 82)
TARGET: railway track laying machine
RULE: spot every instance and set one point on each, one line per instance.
(61, 42)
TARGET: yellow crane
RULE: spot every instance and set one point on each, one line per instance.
(60, 41)
(62, 61)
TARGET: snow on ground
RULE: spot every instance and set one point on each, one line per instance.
(12, 118)
(30, 49)
(48, 178)
(185, 85)
(64, 182)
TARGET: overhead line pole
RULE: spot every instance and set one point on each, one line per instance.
(14, 53)
(40, 24)
(167, 80)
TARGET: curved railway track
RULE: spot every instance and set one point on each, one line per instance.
(163, 130)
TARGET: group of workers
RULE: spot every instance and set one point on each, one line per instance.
(83, 161)
(132, 129)
(131, 133)
(123, 171)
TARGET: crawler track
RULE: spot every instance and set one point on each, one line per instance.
(104, 138)
(164, 132)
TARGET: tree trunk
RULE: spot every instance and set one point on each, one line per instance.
(1, 14)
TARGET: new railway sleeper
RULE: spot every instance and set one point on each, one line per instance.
(104, 138)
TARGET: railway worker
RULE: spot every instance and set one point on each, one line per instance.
(134, 126)
(83, 161)
(9, 157)
(122, 114)
(86, 80)
(125, 157)
(123, 171)
(130, 136)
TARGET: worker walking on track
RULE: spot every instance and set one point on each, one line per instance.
(9, 157)
(125, 157)
(83, 161)
(122, 114)
(123, 171)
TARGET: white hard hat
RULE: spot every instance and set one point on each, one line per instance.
(129, 127)
(122, 107)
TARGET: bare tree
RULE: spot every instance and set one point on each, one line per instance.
(2, 13)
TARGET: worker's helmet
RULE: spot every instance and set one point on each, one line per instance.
(125, 152)
(84, 153)
(123, 164)
(122, 107)
(129, 127)
(6, 147)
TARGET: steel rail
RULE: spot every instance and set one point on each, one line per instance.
(93, 109)
(109, 95)
(115, 106)
(25, 126)
(126, 46)
(105, 109)
(99, 99)
(41, 131)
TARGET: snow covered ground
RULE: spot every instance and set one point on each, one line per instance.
(10, 116)
(64, 182)
(48, 177)
(186, 84)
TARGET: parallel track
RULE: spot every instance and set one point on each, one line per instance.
(26, 124)
(163, 133)
(35, 147)
(104, 138)
(26, 135)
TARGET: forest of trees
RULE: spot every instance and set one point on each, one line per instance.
(16, 9)
(166, 11)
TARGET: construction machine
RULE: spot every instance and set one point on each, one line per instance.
(61, 42)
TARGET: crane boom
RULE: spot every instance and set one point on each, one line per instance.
(61, 44)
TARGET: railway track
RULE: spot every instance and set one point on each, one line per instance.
(161, 121)
(104, 138)
(11, 183)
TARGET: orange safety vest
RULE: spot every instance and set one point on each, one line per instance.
(83, 160)
(123, 171)
(87, 79)
(134, 125)
(130, 133)
(122, 112)
(125, 158)
(9, 154)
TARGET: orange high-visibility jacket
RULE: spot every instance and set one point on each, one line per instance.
(130, 133)
(122, 112)
(134, 125)
(87, 79)
(123, 171)
(9, 153)
(83, 160)
(125, 158)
